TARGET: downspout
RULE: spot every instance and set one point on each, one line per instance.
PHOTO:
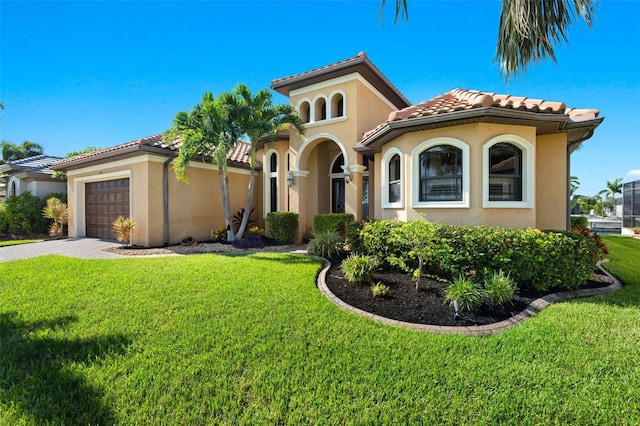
(165, 197)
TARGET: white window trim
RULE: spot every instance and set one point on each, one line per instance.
(267, 175)
(330, 116)
(313, 108)
(385, 179)
(308, 101)
(466, 172)
(528, 164)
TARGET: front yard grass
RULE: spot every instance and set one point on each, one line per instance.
(213, 339)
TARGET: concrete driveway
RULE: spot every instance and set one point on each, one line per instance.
(82, 248)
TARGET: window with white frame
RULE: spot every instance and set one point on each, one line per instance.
(337, 105)
(440, 173)
(273, 182)
(507, 163)
(320, 109)
(392, 179)
(305, 111)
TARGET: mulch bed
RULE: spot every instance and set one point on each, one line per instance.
(426, 305)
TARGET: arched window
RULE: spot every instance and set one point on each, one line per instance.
(305, 111)
(392, 182)
(337, 185)
(320, 109)
(440, 174)
(337, 105)
(13, 190)
(505, 172)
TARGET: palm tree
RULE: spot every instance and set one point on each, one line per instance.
(529, 29)
(210, 130)
(262, 121)
(574, 184)
(613, 188)
(12, 152)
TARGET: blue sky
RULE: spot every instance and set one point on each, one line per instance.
(78, 74)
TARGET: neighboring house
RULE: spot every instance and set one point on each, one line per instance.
(631, 206)
(31, 174)
(464, 157)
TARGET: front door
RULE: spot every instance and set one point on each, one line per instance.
(337, 195)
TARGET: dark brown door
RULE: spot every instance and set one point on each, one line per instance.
(104, 202)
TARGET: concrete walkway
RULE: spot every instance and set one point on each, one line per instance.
(82, 248)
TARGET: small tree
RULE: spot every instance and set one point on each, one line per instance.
(123, 227)
(56, 210)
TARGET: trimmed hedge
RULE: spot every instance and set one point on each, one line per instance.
(332, 222)
(533, 258)
(579, 222)
(282, 225)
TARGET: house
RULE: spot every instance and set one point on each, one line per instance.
(32, 174)
(463, 157)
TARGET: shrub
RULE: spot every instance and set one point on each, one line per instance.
(332, 222)
(499, 288)
(353, 239)
(123, 227)
(237, 219)
(379, 290)
(359, 268)
(636, 230)
(250, 240)
(56, 210)
(219, 235)
(23, 214)
(579, 223)
(282, 225)
(465, 291)
(326, 244)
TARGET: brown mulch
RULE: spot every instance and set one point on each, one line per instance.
(426, 305)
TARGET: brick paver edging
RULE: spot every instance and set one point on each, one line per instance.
(480, 330)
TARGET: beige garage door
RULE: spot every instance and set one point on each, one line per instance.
(104, 202)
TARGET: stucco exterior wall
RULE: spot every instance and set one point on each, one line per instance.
(552, 182)
(474, 135)
(194, 209)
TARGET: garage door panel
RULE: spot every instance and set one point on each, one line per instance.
(104, 202)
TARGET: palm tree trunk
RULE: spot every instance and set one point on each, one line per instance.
(247, 206)
(226, 202)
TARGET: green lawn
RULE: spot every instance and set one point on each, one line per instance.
(212, 339)
(16, 242)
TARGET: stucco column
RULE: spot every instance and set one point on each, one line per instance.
(298, 200)
(353, 191)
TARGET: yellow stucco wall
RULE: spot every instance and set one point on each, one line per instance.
(552, 182)
(194, 209)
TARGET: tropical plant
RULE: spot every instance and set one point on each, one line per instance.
(260, 122)
(124, 227)
(499, 288)
(56, 210)
(464, 292)
(379, 290)
(529, 30)
(359, 268)
(12, 152)
(326, 244)
(210, 131)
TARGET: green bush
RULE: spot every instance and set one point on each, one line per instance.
(359, 268)
(23, 214)
(353, 239)
(533, 258)
(326, 244)
(283, 225)
(463, 290)
(499, 288)
(332, 222)
(579, 222)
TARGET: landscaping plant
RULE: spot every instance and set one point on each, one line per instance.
(467, 294)
(56, 210)
(283, 225)
(359, 268)
(499, 288)
(124, 227)
(379, 290)
(326, 244)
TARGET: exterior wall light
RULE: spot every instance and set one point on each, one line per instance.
(290, 179)
(347, 174)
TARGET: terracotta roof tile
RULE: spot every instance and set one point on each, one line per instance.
(239, 154)
(462, 99)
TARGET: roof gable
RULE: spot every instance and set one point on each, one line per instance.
(358, 64)
(39, 164)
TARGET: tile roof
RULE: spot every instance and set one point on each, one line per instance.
(154, 144)
(444, 107)
(35, 164)
(359, 63)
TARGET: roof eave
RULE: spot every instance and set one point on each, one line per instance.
(545, 123)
